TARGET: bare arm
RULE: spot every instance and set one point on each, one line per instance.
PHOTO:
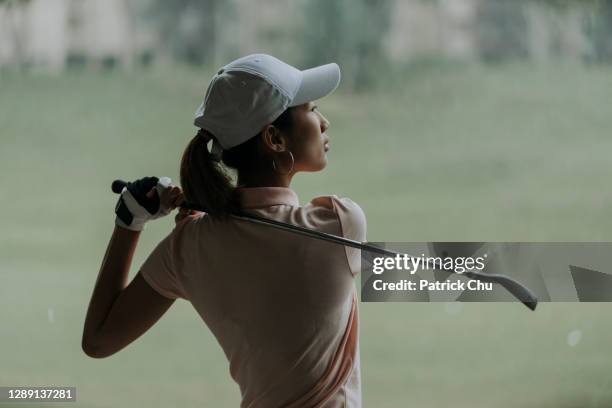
(119, 313)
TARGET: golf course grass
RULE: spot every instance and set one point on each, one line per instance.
(459, 153)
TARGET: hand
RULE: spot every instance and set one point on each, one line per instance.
(184, 213)
(170, 197)
(146, 199)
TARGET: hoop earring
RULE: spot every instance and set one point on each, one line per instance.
(274, 167)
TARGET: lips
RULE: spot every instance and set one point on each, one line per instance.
(326, 144)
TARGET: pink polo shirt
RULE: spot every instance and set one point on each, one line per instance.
(282, 306)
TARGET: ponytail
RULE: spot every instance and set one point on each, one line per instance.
(204, 181)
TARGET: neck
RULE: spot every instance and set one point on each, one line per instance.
(264, 180)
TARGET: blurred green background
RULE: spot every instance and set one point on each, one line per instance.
(488, 121)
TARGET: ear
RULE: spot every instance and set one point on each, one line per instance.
(274, 140)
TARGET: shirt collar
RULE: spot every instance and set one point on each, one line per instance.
(256, 197)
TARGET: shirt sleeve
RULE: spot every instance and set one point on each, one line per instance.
(353, 225)
(159, 269)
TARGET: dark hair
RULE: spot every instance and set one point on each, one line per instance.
(206, 184)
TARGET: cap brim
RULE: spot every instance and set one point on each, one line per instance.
(316, 83)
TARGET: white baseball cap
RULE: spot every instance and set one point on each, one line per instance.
(252, 91)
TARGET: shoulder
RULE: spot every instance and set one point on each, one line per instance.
(187, 225)
(338, 205)
(350, 215)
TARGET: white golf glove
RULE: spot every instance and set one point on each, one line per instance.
(134, 207)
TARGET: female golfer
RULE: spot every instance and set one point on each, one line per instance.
(282, 306)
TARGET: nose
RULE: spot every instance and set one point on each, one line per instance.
(324, 124)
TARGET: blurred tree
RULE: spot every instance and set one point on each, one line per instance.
(501, 30)
(188, 28)
(599, 31)
(567, 3)
(598, 26)
(502, 27)
(350, 32)
(14, 10)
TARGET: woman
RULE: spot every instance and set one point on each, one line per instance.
(282, 306)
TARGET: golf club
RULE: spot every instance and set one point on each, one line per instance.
(518, 290)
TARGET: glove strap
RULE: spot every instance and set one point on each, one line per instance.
(123, 213)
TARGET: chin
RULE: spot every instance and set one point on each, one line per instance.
(322, 164)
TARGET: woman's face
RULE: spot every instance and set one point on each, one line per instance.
(308, 142)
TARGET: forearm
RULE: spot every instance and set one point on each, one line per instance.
(111, 280)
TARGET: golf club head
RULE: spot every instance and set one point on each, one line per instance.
(515, 288)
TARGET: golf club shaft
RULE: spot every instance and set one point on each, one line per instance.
(519, 291)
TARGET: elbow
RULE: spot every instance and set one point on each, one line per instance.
(93, 350)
